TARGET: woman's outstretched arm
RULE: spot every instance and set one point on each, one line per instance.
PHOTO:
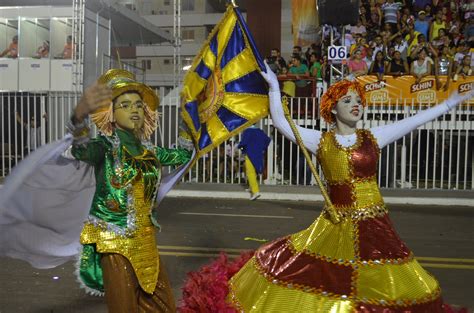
(387, 134)
(310, 137)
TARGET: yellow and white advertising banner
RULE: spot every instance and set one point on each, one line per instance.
(404, 90)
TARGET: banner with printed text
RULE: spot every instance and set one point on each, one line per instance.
(405, 90)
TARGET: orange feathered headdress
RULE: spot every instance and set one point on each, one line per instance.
(334, 93)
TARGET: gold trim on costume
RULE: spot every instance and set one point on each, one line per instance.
(140, 249)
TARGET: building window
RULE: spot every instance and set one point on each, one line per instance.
(146, 64)
(166, 2)
(188, 35)
(187, 5)
(166, 61)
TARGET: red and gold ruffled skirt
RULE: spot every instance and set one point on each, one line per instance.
(358, 265)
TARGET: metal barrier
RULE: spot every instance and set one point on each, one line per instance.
(437, 155)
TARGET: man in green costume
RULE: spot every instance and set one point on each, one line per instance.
(120, 255)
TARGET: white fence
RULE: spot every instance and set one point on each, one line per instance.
(437, 155)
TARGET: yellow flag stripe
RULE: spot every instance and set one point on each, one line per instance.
(216, 129)
(209, 59)
(224, 33)
(247, 106)
(192, 86)
(239, 66)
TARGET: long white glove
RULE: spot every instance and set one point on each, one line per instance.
(310, 137)
(387, 134)
(456, 98)
(271, 79)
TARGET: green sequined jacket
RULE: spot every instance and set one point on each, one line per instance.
(117, 160)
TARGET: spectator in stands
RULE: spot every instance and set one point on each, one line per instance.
(359, 28)
(299, 70)
(387, 32)
(436, 25)
(442, 39)
(326, 69)
(275, 61)
(299, 52)
(443, 66)
(391, 11)
(420, 4)
(67, 50)
(33, 132)
(421, 67)
(369, 58)
(315, 69)
(469, 29)
(421, 24)
(429, 13)
(462, 50)
(375, 17)
(447, 14)
(406, 11)
(372, 25)
(351, 39)
(375, 8)
(12, 50)
(361, 45)
(455, 35)
(378, 66)
(454, 6)
(379, 45)
(283, 72)
(400, 44)
(389, 56)
(357, 66)
(465, 69)
(313, 48)
(398, 66)
(422, 44)
(42, 51)
(412, 40)
(468, 8)
(403, 24)
(364, 12)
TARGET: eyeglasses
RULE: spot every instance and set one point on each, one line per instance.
(127, 105)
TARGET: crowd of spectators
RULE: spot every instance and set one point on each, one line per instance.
(394, 37)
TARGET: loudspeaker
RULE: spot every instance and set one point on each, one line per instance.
(338, 12)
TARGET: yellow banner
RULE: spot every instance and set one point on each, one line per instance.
(404, 90)
(305, 22)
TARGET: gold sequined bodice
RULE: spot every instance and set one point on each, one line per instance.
(351, 174)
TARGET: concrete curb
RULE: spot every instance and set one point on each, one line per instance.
(242, 195)
(305, 193)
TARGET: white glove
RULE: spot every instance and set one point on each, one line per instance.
(271, 79)
(456, 98)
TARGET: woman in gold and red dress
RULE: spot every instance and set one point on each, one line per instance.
(357, 265)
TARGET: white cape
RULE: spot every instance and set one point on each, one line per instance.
(45, 201)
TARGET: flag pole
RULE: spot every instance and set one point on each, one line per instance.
(333, 215)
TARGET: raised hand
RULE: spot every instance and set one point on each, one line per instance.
(455, 98)
(94, 97)
(271, 79)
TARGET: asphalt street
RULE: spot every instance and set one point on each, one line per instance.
(195, 230)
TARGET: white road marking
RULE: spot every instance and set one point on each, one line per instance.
(236, 215)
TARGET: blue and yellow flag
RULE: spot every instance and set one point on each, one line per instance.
(224, 91)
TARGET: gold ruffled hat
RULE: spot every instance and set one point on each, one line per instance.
(121, 81)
